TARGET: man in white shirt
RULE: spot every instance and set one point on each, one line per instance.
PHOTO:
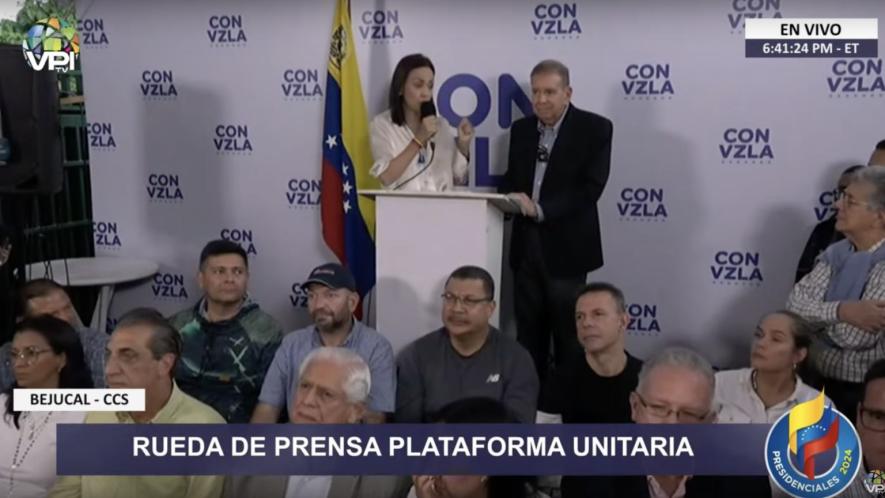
(333, 388)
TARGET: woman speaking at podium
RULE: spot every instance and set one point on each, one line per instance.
(413, 149)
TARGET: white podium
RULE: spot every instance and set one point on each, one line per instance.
(420, 238)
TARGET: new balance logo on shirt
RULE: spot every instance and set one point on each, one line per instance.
(493, 379)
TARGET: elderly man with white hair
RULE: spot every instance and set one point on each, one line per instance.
(845, 292)
(676, 386)
(333, 388)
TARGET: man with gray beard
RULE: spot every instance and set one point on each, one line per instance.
(331, 301)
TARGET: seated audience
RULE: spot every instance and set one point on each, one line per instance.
(331, 301)
(844, 292)
(45, 353)
(467, 357)
(333, 388)
(772, 385)
(227, 341)
(45, 297)
(141, 354)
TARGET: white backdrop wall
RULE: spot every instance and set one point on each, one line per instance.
(206, 118)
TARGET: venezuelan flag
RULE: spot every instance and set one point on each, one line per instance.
(348, 219)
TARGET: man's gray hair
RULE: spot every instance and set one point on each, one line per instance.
(677, 357)
(358, 380)
(875, 176)
(552, 66)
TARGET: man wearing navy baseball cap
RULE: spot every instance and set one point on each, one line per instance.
(331, 301)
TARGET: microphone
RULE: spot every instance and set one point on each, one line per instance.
(428, 109)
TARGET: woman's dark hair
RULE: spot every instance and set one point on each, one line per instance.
(398, 83)
(480, 410)
(62, 338)
(803, 331)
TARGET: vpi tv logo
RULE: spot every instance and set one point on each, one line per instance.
(92, 32)
(509, 94)
(241, 236)
(736, 268)
(106, 235)
(647, 82)
(556, 21)
(743, 9)
(51, 43)
(303, 193)
(158, 84)
(380, 26)
(301, 84)
(856, 78)
(169, 286)
(746, 145)
(874, 482)
(232, 139)
(101, 136)
(226, 31)
(642, 204)
(826, 205)
(164, 188)
(298, 296)
(643, 319)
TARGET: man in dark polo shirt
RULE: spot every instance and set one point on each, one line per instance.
(465, 358)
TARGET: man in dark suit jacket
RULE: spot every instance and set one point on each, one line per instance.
(557, 168)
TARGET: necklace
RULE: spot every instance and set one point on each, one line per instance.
(755, 385)
(33, 428)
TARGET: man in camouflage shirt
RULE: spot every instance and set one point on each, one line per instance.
(227, 341)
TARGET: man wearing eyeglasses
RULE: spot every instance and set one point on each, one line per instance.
(845, 291)
(228, 342)
(465, 358)
(676, 386)
(871, 429)
(824, 233)
(331, 301)
(557, 168)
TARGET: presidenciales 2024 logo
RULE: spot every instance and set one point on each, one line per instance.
(52, 44)
(813, 451)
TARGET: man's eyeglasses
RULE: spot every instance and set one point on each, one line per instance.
(469, 302)
(29, 355)
(848, 200)
(873, 420)
(543, 154)
(664, 411)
